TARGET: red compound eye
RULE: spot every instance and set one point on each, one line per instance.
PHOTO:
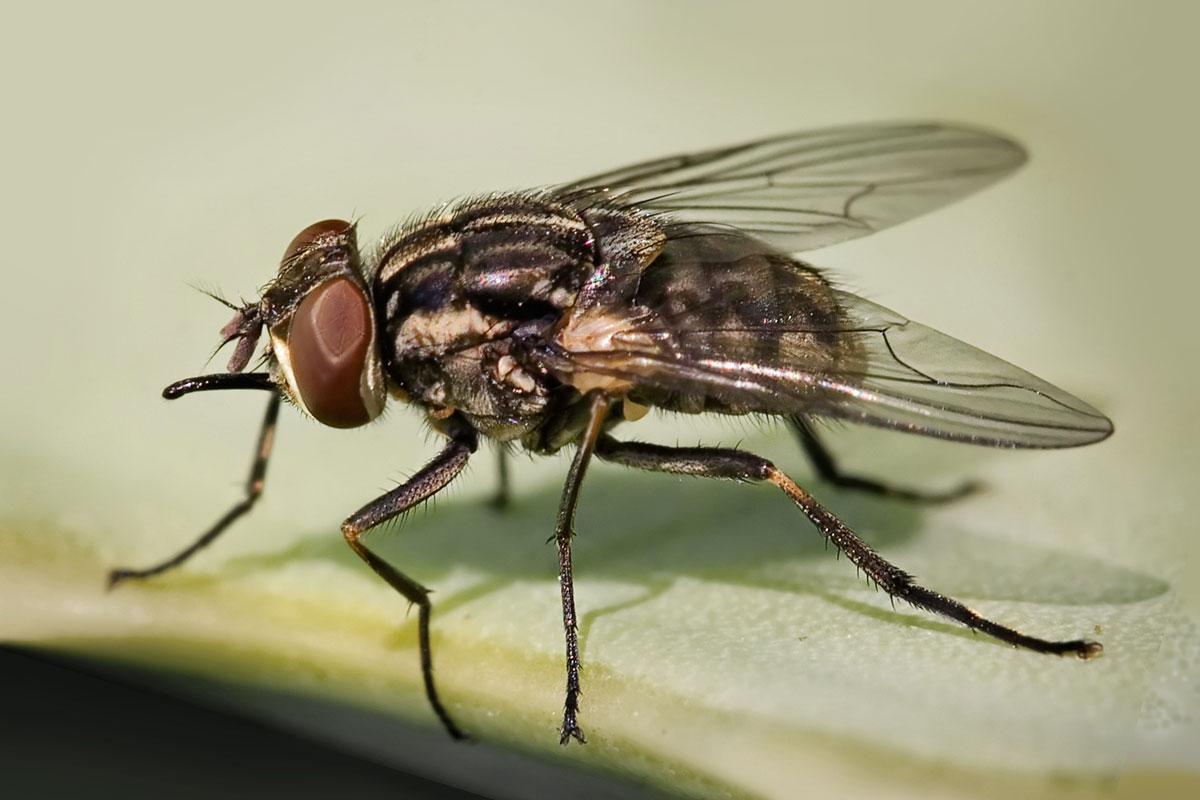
(328, 341)
(313, 232)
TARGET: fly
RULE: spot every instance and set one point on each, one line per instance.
(544, 319)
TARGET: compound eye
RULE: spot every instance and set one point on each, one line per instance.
(328, 342)
(306, 237)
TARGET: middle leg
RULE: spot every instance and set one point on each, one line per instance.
(564, 529)
(499, 500)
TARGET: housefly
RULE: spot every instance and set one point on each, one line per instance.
(547, 318)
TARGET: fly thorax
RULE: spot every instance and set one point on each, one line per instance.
(456, 283)
(431, 333)
(510, 377)
(598, 339)
(510, 256)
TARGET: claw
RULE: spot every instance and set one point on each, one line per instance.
(571, 731)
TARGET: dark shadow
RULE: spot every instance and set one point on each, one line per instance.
(95, 728)
(630, 525)
(647, 528)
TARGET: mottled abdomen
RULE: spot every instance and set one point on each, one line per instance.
(730, 304)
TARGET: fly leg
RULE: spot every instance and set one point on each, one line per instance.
(254, 487)
(500, 499)
(711, 462)
(564, 529)
(431, 479)
(828, 470)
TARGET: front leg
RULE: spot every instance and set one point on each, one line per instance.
(417, 489)
(254, 483)
(564, 529)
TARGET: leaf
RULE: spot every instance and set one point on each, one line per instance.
(726, 652)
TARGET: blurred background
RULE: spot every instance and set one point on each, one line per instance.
(149, 147)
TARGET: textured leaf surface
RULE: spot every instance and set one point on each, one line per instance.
(727, 653)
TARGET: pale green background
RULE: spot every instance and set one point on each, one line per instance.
(146, 147)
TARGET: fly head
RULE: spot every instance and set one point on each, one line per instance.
(323, 349)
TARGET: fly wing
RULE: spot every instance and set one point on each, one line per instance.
(915, 378)
(806, 190)
(760, 332)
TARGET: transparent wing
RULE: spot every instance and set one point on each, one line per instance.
(807, 190)
(769, 335)
(916, 378)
